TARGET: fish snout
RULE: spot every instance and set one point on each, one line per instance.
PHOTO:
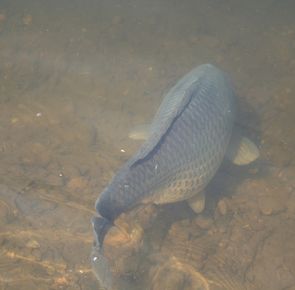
(100, 227)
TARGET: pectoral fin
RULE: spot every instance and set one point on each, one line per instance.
(141, 132)
(197, 202)
(241, 150)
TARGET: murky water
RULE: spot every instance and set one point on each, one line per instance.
(76, 77)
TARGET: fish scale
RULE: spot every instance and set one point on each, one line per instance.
(189, 137)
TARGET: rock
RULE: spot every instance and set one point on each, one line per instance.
(287, 175)
(32, 244)
(77, 183)
(203, 222)
(27, 19)
(36, 154)
(222, 207)
(268, 205)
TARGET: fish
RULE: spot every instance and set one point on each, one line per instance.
(185, 145)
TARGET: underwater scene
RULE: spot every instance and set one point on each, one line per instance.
(147, 145)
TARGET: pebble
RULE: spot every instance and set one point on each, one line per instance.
(32, 244)
(27, 19)
(203, 222)
(222, 207)
(287, 175)
(77, 183)
(269, 205)
(36, 154)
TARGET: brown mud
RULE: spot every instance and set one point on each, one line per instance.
(76, 77)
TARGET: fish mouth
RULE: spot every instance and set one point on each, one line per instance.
(100, 227)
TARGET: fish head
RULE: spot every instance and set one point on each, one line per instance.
(118, 196)
(100, 227)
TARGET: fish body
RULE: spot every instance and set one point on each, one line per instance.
(189, 137)
(187, 142)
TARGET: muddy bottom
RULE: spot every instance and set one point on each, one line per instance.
(241, 238)
(76, 77)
